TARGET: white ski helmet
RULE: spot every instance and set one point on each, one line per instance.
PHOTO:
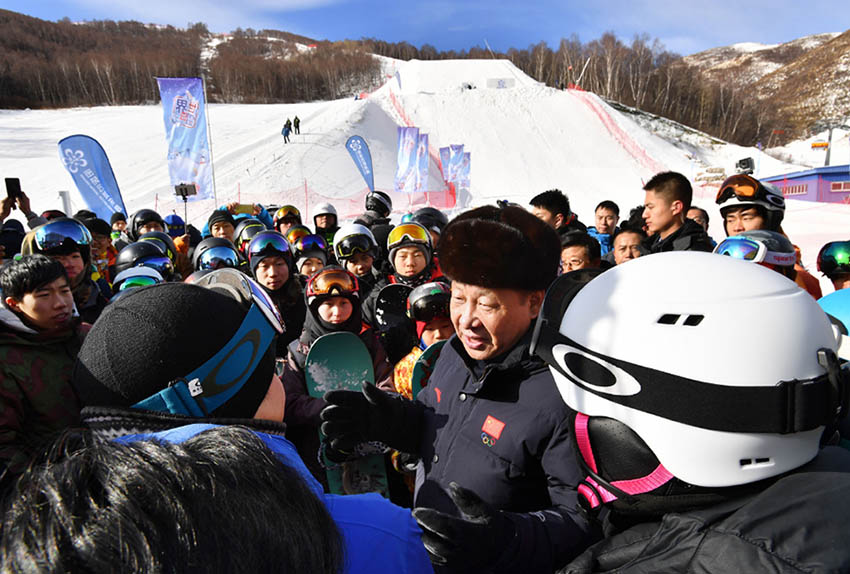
(724, 370)
(354, 238)
(323, 209)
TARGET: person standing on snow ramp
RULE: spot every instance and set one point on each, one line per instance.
(496, 483)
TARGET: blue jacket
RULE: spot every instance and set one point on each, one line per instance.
(606, 240)
(379, 536)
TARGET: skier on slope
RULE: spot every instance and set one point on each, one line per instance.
(296, 123)
(287, 129)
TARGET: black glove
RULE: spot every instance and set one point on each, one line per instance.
(352, 418)
(473, 542)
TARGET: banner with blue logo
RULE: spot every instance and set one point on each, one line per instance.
(184, 111)
(455, 162)
(88, 165)
(359, 152)
(463, 175)
(405, 175)
(445, 154)
(422, 163)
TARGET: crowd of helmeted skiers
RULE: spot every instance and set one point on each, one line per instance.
(586, 413)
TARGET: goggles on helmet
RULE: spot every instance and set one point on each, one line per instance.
(426, 309)
(311, 243)
(218, 258)
(750, 249)
(747, 188)
(166, 250)
(246, 234)
(352, 245)
(410, 232)
(221, 377)
(138, 281)
(787, 407)
(287, 212)
(268, 242)
(834, 258)
(296, 233)
(407, 218)
(332, 282)
(161, 265)
(54, 234)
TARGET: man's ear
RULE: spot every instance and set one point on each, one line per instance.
(677, 207)
(12, 303)
(559, 220)
(535, 301)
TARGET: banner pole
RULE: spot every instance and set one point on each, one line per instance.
(209, 137)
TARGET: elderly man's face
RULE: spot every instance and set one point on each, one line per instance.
(489, 322)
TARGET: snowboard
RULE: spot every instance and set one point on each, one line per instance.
(341, 361)
(396, 330)
(424, 367)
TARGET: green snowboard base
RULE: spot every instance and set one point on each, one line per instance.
(340, 361)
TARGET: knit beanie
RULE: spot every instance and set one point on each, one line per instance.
(220, 215)
(117, 216)
(158, 334)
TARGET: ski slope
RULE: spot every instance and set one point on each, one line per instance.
(523, 137)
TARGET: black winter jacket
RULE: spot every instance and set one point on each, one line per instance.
(800, 523)
(690, 237)
(502, 430)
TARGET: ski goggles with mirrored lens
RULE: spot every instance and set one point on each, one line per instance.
(287, 212)
(268, 242)
(295, 234)
(410, 232)
(745, 188)
(162, 265)
(352, 245)
(834, 257)
(426, 309)
(749, 249)
(139, 281)
(221, 377)
(407, 218)
(54, 234)
(166, 250)
(311, 243)
(332, 282)
(218, 258)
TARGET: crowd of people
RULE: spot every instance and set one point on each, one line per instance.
(631, 396)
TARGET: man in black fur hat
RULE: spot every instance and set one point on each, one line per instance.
(496, 483)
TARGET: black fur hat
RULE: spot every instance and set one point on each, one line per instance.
(500, 248)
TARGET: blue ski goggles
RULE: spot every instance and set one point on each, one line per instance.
(267, 243)
(54, 234)
(221, 377)
(161, 264)
(218, 258)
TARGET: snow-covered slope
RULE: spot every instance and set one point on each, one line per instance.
(524, 138)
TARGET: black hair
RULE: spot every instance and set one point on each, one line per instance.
(97, 225)
(701, 210)
(553, 201)
(28, 274)
(628, 229)
(582, 239)
(673, 186)
(635, 221)
(219, 502)
(608, 204)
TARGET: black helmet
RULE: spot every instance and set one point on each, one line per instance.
(220, 253)
(245, 230)
(139, 218)
(147, 254)
(430, 218)
(429, 301)
(379, 202)
(163, 241)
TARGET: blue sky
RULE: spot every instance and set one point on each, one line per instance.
(684, 26)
